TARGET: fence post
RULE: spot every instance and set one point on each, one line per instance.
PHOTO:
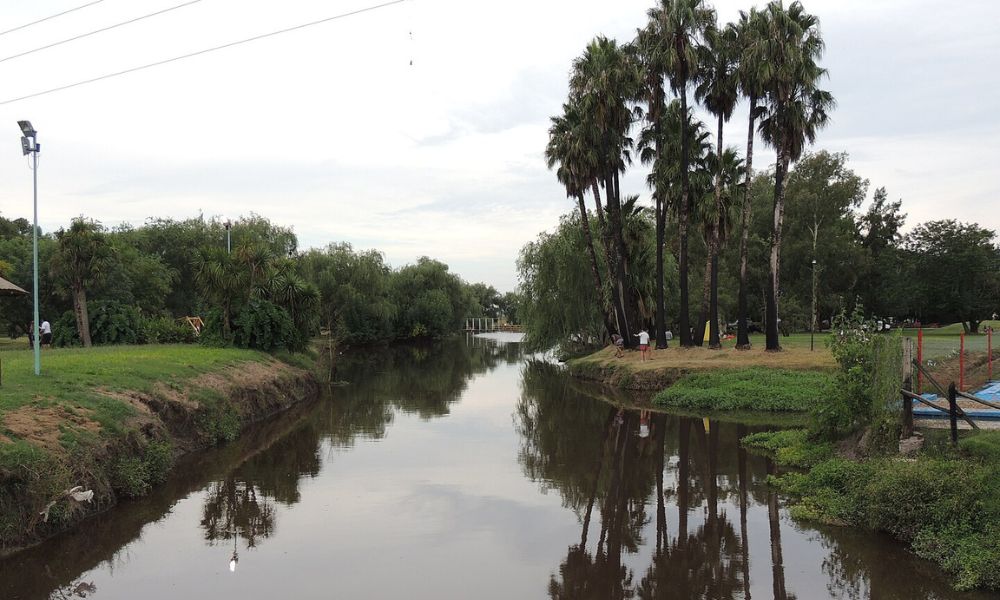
(989, 354)
(953, 413)
(908, 386)
(961, 362)
(920, 359)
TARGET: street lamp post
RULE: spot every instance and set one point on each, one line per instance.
(29, 145)
(812, 328)
(229, 246)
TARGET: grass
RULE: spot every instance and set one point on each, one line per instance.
(945, 504)
(752, 388)
(72, 377)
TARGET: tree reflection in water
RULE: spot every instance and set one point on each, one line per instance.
(593, 455)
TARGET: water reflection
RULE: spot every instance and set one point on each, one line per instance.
(640, 505)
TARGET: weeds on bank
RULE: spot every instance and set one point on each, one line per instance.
(753, 388)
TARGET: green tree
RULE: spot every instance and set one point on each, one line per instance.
(80, 260)
(574, 153)
(883, 285)
(605, 81)
(955, 269)
(683, 24)
(796, 110)
(717, 90)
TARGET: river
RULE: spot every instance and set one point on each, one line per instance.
(468, 469)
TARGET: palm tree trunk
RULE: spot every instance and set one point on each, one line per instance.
(741, 432)
(629, 299)
(706, 284)
(80, 310)
(773, 283)
(661, 320)
(777, 562)
(609, 256)
(713, 250)
(598, 285)
(682, 226)
(743, 331)
(617, 240)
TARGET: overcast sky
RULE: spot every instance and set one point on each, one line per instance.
(332, 131)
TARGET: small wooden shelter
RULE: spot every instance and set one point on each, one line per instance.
(9, 289)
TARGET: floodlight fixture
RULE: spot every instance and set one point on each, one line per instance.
(27, 129)
(25, 145)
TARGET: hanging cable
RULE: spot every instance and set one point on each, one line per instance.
(205, 51)
(96, 31)
(65, 12)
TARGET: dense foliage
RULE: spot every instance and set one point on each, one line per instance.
(134, 285)
(755, 388)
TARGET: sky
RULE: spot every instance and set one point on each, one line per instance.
(419, 128)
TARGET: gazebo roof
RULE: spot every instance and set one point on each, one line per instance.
(9, 289)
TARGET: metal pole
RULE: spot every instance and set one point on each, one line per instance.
(953, 413)
(34, 249)
(920, 360)
(989, 354)
(961, 362)
(229, 244)
(812, 326)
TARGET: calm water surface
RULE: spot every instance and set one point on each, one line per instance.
(468, 470)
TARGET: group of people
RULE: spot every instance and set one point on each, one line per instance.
(45, 334)
(643, 336)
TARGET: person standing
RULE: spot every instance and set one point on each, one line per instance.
(46, 334)
(643, 336)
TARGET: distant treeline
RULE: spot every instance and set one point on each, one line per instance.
(132, 285)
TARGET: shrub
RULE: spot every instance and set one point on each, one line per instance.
(791, 447)
(869, 380)
(164, 330)
(133, 476)
(263, 325)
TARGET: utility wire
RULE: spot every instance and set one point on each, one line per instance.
(102, 30)
(205, 51)
(65, 12)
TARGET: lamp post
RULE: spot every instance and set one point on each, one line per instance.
(29, 145)
(229, 227)
(812, 328)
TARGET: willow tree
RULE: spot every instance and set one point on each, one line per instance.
(796, 110)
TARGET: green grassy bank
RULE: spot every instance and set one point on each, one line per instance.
(751, 388)
(112, 420)
(945, 503)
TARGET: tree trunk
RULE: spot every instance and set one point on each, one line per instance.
(682, 229)
(743, 330)
(620, 282)
(777, 562)
(773, 282)
(741, 432)
(698, 338)
(609, 256)
(661, 318)
(80, 310)
(629, 298)
(684, 474)
(713, 250)
(598, 285)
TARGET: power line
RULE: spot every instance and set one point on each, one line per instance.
(65, 12)
(102, 30)
(205, 51)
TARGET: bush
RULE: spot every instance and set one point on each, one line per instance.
(868, 383)
(790, 447)
(263, 325)
(110, 323)
(164, 330)
(133, 476)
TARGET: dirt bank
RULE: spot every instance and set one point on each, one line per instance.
(48, 449)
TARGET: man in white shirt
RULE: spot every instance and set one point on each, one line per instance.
(46, 333)
(643, 343)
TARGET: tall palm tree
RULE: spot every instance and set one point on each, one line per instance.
(750, 36)
(571, 151)
(221, 281)
(716, 214)
(604, 82)
(80, 260)
(683, 23)
(717, 91)
(796, 110)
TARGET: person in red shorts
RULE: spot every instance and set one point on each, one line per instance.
(643, 344)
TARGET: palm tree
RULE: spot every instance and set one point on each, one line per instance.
(749, 73)
(683, 23)
(716, 216)
(604, 81)
(222, 282)
(717, 90)
(796, 110)
(80, 259)
(571, 151)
